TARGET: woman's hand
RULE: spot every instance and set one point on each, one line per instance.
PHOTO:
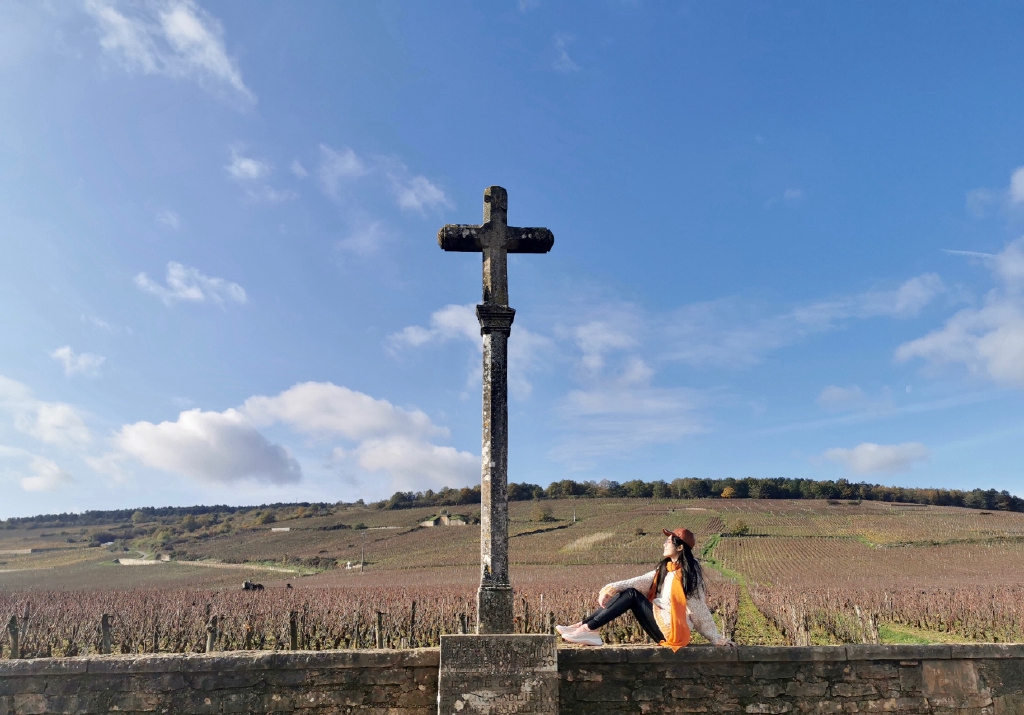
(726, 643)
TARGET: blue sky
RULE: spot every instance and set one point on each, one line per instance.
(787, 243)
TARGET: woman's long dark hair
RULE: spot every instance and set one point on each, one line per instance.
(693, 575)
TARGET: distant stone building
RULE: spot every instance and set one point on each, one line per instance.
(445, 519)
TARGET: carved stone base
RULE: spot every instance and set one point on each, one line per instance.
(494, 609)
(492, 674)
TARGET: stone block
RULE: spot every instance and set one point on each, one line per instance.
(5, 705)
(897, 652)
(1003, 705)
(775, 671)
(29, 704)
(41, 666)
(955, 678)
(987, 650)
(15, 686)
(647, 693)
(132, 664)
(776, 707)
(873, 670)
(824, 707)
(798, 689)
(277, 703)
(498, 673)
(243, 702)
(601, 693)
(683, 707)
(681, 672)
(571, 657)
(910, 679)
(853, 690)
(691, 692)
(767, 654)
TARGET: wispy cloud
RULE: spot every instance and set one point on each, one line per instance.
(414, 193)
(189, 285)
(54, 423)
(459, 322)
(835, 397)
(244, 168)
(988, 340)
(338, 166)
(252, 174)
(44, 476)
(616, 414)
(298, 169)
(176, 38)
(868, 458)
(86, 364)
(731, 333)
(168, 219)
(981, 201)
(563, 62)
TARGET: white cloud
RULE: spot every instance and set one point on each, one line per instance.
(46, 476)
(337, 166)
(51, 422)
(87, 364)
(416, 192)
(298, 169)
(176, 38)
(988, 340)
(326, 408)
(728, 333)
(416, 464)
(1016, 191)
(365, 238)
(169, 219)
(868, 457)
(449, 323)
(792, 194)
(598, 337)
(617, 414)
(212, 447)
(839, 398)
(459, 322)
(563, 62)
(245, 168)
(227, 447)
(186, 284)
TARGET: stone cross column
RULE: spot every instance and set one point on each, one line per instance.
(495, 239)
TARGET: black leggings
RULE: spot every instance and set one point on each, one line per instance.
(628, 600)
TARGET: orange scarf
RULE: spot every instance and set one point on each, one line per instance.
(679, 633)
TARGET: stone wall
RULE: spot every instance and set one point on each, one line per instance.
(940, 679)
(369, 682)
(966, 679)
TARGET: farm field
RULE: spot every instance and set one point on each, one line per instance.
(780, 571)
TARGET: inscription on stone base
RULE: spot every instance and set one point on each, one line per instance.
(498, 674)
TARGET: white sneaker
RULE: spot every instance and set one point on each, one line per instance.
(562, 630)
(583, 637)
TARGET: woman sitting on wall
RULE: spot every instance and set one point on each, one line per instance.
(667, 602)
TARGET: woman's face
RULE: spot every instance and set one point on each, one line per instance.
(671, 551)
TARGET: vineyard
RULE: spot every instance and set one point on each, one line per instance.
(780, 572)
(318, 618)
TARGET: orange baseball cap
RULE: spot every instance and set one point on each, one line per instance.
(684, 535)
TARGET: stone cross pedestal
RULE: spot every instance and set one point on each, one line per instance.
(492, 674)
(493, 671)
(495, 239)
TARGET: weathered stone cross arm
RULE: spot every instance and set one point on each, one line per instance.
(495, 239)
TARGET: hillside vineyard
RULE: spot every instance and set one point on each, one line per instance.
(780, 572)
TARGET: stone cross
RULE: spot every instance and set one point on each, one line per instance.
(495, 239)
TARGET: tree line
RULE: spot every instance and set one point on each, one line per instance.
(693, 488)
